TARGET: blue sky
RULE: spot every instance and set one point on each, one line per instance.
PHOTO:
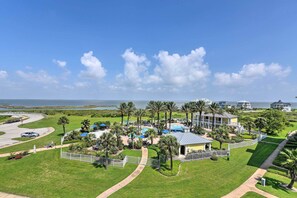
(142, 50)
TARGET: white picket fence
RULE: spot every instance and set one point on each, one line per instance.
(247, 143)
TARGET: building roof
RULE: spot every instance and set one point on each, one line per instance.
(224, 115)
(281, 103)
(189, 138)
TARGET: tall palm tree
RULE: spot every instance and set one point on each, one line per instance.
(221, 135)
(108, 144)
(169, 146)
(117, 130)
(214, 109)
(260, 123)
(186, 109)
(152, 109)
(122, 109)
(63, 121)
(151, 133)
(165, 109)
(139, 113)
(248, 123)
(200, 105)
(290, 164)
(193, 109)
(158, 108)
(130, 109)
(85, 125)
(132, 132)
(171, 106)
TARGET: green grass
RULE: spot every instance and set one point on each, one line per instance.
(201, 178)
(165, 168)
(273, 187)
(274, 139)
(50, 121)
(2, 133)
(252, 195)
(46, 175)
(216, 145)
(134, 153)
(288, 129)
(23, 139)
(4, 118)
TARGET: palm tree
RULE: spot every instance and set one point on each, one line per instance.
(221, 135)
(260, 123)
(186, 109)
(192, 111)
(165, 109)
(151, 133)
(151, 108)
(108, 144)
(132, 132)
(290, 164)
(171, 106)
(200, 105)
(122, 110)
(214, 109)
(248, 123)
(117, 130)
(139, 113)
(130, 109)
(63, 121)
(86, 125)
(158, 108)
(168, 145)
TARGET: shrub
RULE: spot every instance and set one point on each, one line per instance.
(18, 156)
(214, 157)
(199, 130)
(237, 139)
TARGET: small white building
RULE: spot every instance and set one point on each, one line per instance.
(282, 106)
(244, 105)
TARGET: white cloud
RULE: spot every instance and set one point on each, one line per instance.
(81, 84)
(60, 63)
(40, 77)
(251, 72)
(3, 74)
(94, 68)
(172, 71)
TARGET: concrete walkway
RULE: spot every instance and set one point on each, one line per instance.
(250, 184)
(5, 195)
(128, 179)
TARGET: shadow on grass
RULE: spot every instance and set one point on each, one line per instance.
(260, 154)
(276, 184)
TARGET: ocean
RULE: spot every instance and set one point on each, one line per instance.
(101, 104)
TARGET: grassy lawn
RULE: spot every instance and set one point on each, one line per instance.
(23, 139)
(2, 133)
(46, 175)
(51, 121)
(4, 118)
(201, 178)
(134, 153)
(252, 195)
(273, 187)
(216, 145)
(288, 129)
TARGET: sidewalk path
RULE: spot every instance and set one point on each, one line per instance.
(5, 195)
(128, 179)
(250, 184)
(37, 150)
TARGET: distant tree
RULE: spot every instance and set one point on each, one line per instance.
(169, 146)
(122, 109)
(165, 110)
(130, 109)
(260, 123)
(171, 106)
(200, 105)
(221, 135)
(275, 121)
(108, 144)
(248, 123)
(63, 121)
(152, 109)
(214, 109)
(132, 132)
(290, 163)
(85, 125)
(158, 108)
(139, 113)
(117, 130)
(193, 109)
(151, 133)
(186, 109)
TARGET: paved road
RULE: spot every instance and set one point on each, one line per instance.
(12, 130)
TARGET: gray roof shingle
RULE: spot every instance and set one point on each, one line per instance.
(189, 138)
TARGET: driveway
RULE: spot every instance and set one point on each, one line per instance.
(13, 131)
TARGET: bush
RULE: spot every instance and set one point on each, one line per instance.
(199, 130)
(237, 139)
(214, 157)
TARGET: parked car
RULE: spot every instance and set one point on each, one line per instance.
(29, 134)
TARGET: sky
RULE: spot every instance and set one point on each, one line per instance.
(148, 50)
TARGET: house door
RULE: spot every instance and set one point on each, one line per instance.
(182, 150)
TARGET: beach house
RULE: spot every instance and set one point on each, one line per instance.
(284, 106)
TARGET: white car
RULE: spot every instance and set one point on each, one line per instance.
(29, 134)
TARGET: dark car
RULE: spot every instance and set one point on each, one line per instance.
(29, 134)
